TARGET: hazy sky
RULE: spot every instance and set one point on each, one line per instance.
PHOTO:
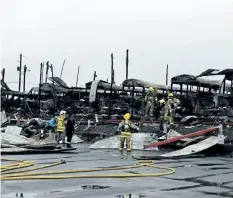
(189, 35)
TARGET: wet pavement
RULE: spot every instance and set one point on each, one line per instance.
(203, 177)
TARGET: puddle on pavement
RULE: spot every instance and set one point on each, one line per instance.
(131, 196)
(94, 187)
(203, 183)
(182, 188)
(132, 172)
(20, 195)
(209, 164)
(221, 194)
(219, 168)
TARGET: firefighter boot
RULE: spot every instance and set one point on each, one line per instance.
(122, 142)
(128, 144)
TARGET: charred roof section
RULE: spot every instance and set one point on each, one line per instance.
(88, 84)
(4, 86)
(59, 82)
(195, 81)
(49, 87)
(141, 83)
(228, 73)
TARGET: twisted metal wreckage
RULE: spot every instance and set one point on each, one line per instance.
(100, 105)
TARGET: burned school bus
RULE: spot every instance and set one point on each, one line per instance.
(128, 97)
(11, 100)
(206, 97)
(197, 94)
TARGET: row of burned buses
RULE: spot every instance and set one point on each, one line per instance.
(196, 92)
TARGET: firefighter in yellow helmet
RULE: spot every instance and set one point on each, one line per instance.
(163, 113)
(125, 135)
(172, 105)
(60, 127)
(150, 101)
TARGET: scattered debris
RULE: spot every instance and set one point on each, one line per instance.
(195, 148)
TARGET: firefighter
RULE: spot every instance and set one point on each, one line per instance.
(172, 104)
(125, 135)
(60, 123)
(150, 101)
(163, 113)
(69, 128)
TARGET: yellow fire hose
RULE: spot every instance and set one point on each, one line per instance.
(8, 174)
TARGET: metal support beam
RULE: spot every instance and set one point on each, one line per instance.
(24, 77)
(127, 64)
(77, 76)
(3, 74)
(95, 75)
(20, 70)
(40, 82)
(46, 74)
(53, 90)
(112, 81)
(62, 67)
(224, 85)
(232, 87)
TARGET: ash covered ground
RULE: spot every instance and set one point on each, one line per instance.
(207, 177)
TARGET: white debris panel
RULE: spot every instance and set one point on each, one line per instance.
(3, 117)
(195, 148)
(138, 140)
(12, 136)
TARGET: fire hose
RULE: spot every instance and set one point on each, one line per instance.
(8, 174)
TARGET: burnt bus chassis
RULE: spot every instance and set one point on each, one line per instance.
(131, 99)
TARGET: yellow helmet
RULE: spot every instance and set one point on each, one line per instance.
(151, 89)
(127, 116)
(162, 101)
(170, 95)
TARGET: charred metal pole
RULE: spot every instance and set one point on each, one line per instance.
(232, 87)
(167, 81)
(113, 76)
(53, 89)
(3, 74)
(77, 76)
(54, 93)
(127, 64)
(94, 76)
(24, 77)
(62, 67)
(112, 81)
(42, 74)
(167, 75)
(224, 85)
(46, 74)
(40, 82)
(20, 69)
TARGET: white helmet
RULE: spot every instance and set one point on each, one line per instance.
(62, 112)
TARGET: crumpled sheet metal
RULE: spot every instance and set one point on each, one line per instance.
(13, 130)
(195, 148)
(12, 139)
(138, 140)
(171, 134)
(3, 117)
(19, 140)
(75, 139)
(187, 118)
